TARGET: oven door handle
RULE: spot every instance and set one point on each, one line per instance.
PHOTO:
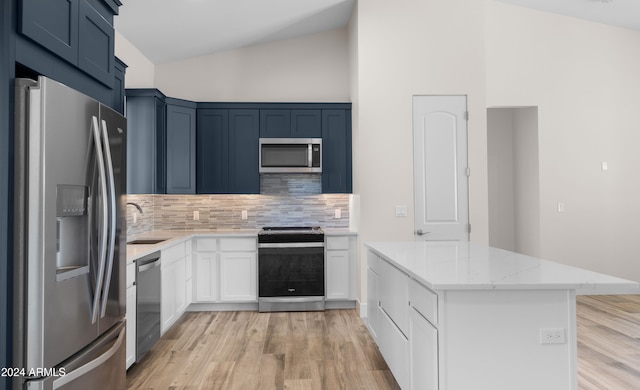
(292, 245)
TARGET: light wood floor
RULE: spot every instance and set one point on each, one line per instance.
(608, 342)
(250, 350)
(333, 350)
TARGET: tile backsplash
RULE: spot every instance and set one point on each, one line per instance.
(286, 200)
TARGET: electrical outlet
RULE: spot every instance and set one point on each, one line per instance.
(196, 215)
(135, 217)
(552, 336)
(337, 213)
(401, 211)
(244, 214)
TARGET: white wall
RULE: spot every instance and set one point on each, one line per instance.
(312, 68)
(526, 180)
(502, 221)
(140, 70)
(421, 47)
(514, 188)
(583, 77)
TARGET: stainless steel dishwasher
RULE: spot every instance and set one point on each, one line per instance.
(148, 280)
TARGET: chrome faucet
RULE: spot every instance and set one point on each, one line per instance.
(136, 206)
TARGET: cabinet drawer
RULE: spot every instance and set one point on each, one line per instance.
(131, 274)
(206, 244)
(373, 261)
(424, 301)
(337, 243)
(173, 253)
(238, 244)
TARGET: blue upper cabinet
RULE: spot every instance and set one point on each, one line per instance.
(275, 123)
(306, 123)
(336, 151)
(72, 42)
(181, 147)
(212, 151)
(244, 134)
(146, 141)
(295, 123)
(227, 151)
(53, 24)
(96, 43)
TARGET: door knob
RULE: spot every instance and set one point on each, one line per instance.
(420, 232)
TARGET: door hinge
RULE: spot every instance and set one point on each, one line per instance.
(468, 171)
(469, 228)
(466, 115)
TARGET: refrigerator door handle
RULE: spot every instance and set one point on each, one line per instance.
(70, 376)
(112, 217)
(102, 243)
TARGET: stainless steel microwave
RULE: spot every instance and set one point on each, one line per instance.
(290, 155)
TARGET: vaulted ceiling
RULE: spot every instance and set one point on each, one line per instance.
(169, 30)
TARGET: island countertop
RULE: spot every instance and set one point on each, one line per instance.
(449, 265)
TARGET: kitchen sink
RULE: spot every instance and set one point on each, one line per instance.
(149, 241)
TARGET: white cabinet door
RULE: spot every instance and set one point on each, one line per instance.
(338, 275)
(372, 303)
(423, 352)
(238, 281)
(181, 287)
(394, 295)
(394, 347)
(168, 298)
(206, 277)
(131, 326)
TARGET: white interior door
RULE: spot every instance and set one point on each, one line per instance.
(440, 168)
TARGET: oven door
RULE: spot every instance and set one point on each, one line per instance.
(290, 278)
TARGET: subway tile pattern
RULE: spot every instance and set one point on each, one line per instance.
(286, 200)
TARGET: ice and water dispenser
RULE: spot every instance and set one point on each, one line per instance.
(72, 230)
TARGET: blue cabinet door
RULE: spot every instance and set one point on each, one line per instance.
(96, 44)
(146, 144)
(275, 123)
(181, 149)
(53, 24)
(212, 155)
(336, 151)
(244, 134)
(306, 123)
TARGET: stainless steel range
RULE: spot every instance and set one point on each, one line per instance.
(291, 271)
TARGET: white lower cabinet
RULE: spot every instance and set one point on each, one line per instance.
(238, 281)
(131, 325)
(423, 352)
(225, 269)
(341, 268)
(174, 284)
(402, 316)
(394, 346)
(206, 280)
(372, 303)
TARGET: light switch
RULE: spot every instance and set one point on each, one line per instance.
(605, 166)
(560, 207)
(401, 211)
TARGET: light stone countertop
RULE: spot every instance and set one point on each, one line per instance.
(447, 265)
(173, 237)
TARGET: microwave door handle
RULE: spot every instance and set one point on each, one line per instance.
(102, 241)
(112, 216)
(310, 155)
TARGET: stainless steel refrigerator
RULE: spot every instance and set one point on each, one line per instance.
(69, 240)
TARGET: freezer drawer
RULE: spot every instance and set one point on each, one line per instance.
(101, 366)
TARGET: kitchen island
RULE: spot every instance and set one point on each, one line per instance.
(459, 316)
